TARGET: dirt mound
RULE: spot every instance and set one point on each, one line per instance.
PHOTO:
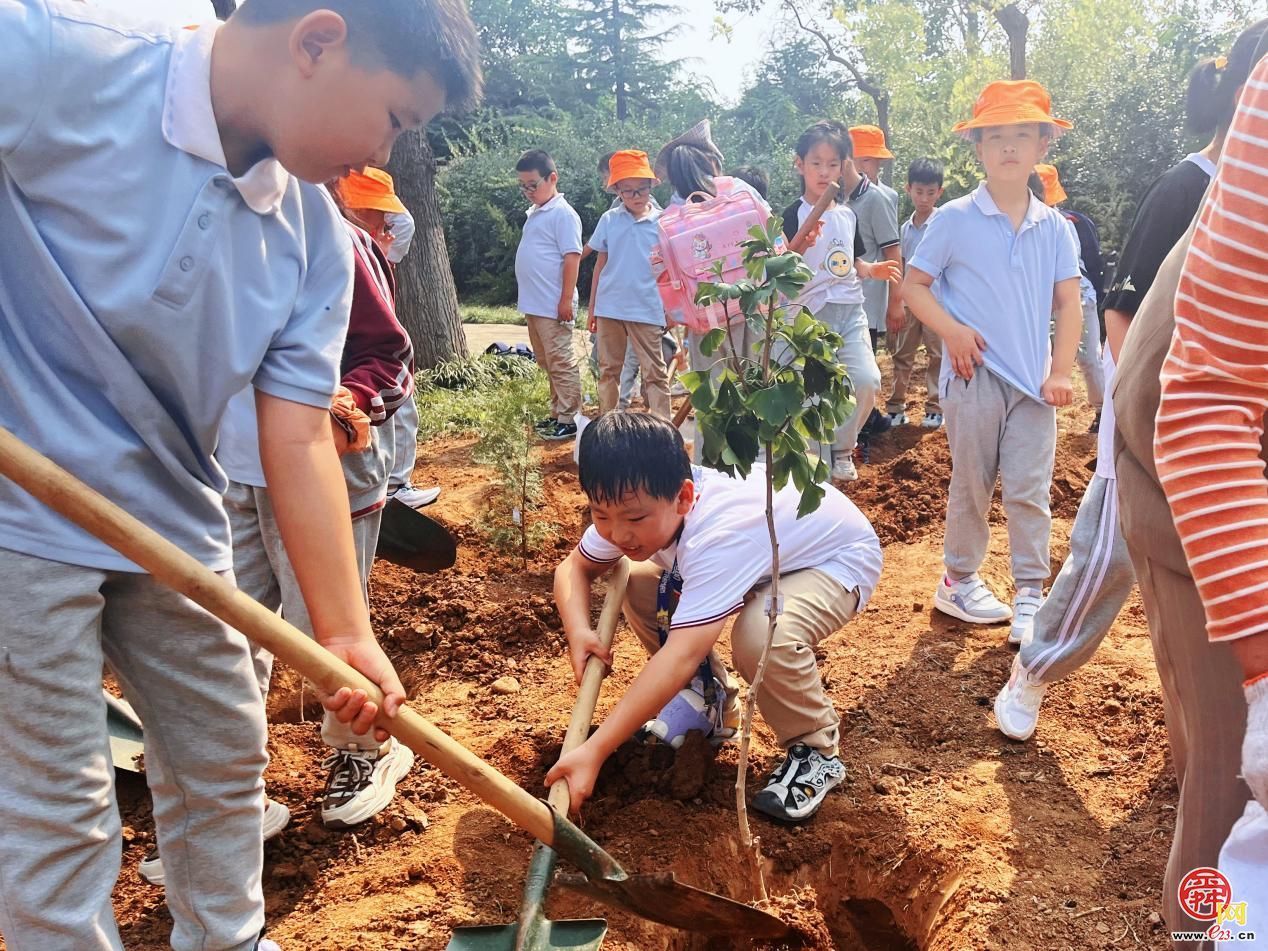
(943, 836)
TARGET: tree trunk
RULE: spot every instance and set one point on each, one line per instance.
(618, 64)
(881, 98)
(1015, 24)
(426, 300)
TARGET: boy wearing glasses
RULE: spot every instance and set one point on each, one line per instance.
(546, 264)
(623, 296)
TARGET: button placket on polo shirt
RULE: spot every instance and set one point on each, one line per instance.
(186, 263)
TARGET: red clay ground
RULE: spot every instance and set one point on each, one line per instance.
(944, 836)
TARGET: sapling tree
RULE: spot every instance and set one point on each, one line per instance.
(780, 403)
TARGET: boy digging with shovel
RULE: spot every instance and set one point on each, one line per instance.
(129, 315)
(702, 553)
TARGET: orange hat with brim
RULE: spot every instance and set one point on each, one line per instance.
(1053, 193)
(370, 190)
(629, 163)
(869, 142)
(1012, 102)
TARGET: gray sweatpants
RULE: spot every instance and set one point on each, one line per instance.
(189, 676)
(1090, 590)
(264, 572)
(995, 430)
(856, 355)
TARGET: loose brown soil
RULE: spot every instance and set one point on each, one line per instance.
(944, 836)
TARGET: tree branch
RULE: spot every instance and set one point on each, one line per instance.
(860, 80)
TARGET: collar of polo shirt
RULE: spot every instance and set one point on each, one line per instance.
(189, 123)
(982, 198)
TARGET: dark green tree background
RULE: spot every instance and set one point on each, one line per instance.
(580, 78)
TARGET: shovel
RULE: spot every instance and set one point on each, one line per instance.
(127, 739)
(411, 539)
(658, 898)
(534, 931)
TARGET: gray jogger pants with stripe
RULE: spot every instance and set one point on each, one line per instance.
(1090, 590)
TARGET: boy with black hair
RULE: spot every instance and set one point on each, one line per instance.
(130, 315)
(546, 265)
(924, 188)
(703, 553)
(756, 178)
(1003, 262)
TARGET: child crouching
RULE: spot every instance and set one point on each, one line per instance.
(700, 541)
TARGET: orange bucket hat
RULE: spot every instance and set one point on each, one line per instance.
(1053, 193)
(371, 190)
(629, 163)
(1012, 102)
(869, 142)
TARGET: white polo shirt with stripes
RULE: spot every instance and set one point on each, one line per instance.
(723, 551)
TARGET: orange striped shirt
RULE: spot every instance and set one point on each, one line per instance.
(1215, 384)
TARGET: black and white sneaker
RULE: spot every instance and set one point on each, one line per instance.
(796, 789)
(560, 430)
(361, 784)
(549, 423)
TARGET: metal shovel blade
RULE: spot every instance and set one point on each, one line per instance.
(583, 934)
(664, 899)
(413, 540)
(127, 741)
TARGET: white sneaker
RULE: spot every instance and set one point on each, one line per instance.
(416, 498)
(970, 600)
(264, 944)
(360, 784)
(1017, 706)
(843, 469)
(897, 419)
(276, 818)
(931, 421)
(1025, 604)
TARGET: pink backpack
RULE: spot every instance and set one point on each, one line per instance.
(693, 236)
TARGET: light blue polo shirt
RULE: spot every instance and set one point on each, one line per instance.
(141, 286)
(627, 290)
(1000, 282)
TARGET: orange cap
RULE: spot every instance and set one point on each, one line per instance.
(1012, 102)
(629, 163)
(869, 142)
(369, 190)
(1053, 193)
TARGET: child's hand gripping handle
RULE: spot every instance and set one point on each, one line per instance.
(100, 517)
(592, 679)
(802, 237)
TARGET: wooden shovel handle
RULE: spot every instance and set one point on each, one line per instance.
(829, 195)
(94, 513)
(591, 679)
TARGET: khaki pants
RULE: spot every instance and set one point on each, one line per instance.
(1202, 697)
(613, 337)
(792, 699)
(904, 355)
(551, 340)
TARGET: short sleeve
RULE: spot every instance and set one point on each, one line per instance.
(1067, 251)
(594, 547)
(25, 40)
(599, 240)
(568, 233)
(934, 252)
(302, 362)
(884, 222)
